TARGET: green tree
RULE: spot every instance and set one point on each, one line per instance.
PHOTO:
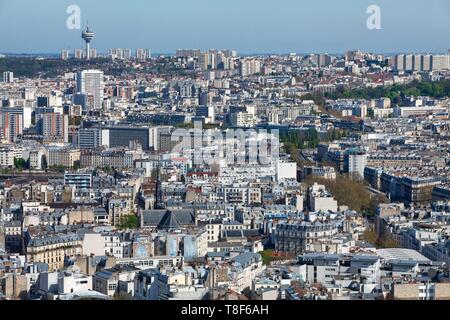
(396, 92)
(75, 121)
(122, 296)
(129, 222)
(20, 164)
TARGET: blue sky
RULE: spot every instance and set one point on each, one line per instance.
(249, 26)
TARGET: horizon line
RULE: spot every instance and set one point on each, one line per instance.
(37, 54)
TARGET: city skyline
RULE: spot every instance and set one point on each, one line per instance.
(274, 153)
(294, 27)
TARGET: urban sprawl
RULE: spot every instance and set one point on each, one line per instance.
(208, 175)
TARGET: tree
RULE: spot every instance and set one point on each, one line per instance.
(129, 222)
(269, 256)
(154, 174)
(76, 165)
(387, 241)
(437, 89)
(20, 163)
(318, 99)
(122, 296)
(347, 192)
(59, 168)
(75, 121)
(375, 201)
(370, 236)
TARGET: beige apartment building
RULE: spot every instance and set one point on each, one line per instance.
(63, 157)
(52, 249)
(420, 291)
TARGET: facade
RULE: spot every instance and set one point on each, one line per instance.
(355, 163)
(63, 157)
(54, 127)
(244, 268)
(11, 125)
(118, 208)
(119, 279)
(53, 249)
(78, 180)
(92, 138)
(293, 238)
(90, 83)
(8, 77)
(329, 269)
(74, 283)
(7, 155)
(320, 199)
(250, 67)
(123, 136)
(286, 170)
(418, 62)
(143, 54)
(150, 284)
(420, 291)
(13, 236)
(65, 54)
(322, 172)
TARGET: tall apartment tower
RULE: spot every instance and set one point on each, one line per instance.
(54, 127)
(90, 83)
(440, 62)
(426, 62)
(93, 53)
(8, 77)
(250, 67)
(143, 54)
(65, 54)
(117, 53)
(11, 126)
(183, 53)
(417, 62)
(79, 54)
(323, 60)
(400, 62)
(127, 54)
(409, 60)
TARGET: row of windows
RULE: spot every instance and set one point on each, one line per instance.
(430, 290)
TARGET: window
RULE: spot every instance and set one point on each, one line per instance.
(112, 287)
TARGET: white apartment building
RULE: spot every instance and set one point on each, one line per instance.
(74, 283)
(115, 246)
(8, 154)
(90, 83)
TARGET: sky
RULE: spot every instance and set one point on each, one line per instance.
(248, 26)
